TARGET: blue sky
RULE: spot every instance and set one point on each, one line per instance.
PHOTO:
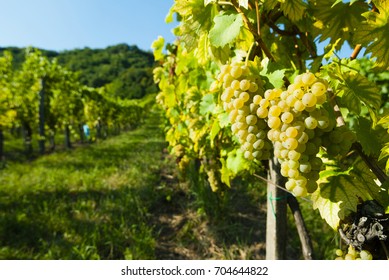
(68, 24)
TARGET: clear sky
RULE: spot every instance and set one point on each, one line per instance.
(67, 24)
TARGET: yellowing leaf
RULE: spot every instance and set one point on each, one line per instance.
(340, 194)
(374, 34)
(328, 209)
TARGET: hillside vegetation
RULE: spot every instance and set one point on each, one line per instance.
(126, 71)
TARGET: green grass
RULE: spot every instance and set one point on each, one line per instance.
(87, 203)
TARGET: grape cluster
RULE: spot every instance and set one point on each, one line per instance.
(293, 120)
(242, 93)
(353, 254)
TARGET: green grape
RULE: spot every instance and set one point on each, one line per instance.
(238, 103)
(253, 87)
(252, 129)
(290, 144)
(309, 100)
(366, 255)
(311, 186)
(298, 93)
(305, 167)
(259, 144)
(244, 85)
(262, 112)
(318, 89)
(251, 120)
(274, 111)
(293, 155)
(303, 138)
(235, 85)
(274, 122)
(336, 136)
(251, 138)
(257, 99)
(291, 132)
(308, 78)
(299, 106)
(310, 123)
(316, 163)
(323, 122)
(287, 117)
(290, 184)
(299, 191)
(236, 72)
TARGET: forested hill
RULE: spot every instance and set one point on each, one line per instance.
(125, 70)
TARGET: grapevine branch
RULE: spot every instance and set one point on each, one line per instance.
(254, 31)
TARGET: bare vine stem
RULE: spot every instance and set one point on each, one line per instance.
(254, 31)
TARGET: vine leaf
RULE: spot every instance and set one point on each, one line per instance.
(340, 194)
(157, 46)
(236, 162)
(207, 104)
(367, 137)
(274, 72)
(328, 209)
(338, 20)
(374, 34)
(356, 89)
(293, 9)
(226, 29)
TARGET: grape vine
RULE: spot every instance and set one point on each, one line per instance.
(246, 81)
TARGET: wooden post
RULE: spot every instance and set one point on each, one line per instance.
(42, 117)
(276, 223)
(68, 144)
(1, 144)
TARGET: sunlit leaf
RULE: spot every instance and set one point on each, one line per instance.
(294, 9)
(374, 33)
(337, 20)
(346, 191)
(226, 29)
(207, 104)
(356, 89)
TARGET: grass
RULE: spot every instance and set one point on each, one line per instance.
(121, 199)
(87, 203)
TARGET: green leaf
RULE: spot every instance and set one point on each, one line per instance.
(340, 194)
(225, 173)
(226, 29)
(374, 34)
(157, 46)
(339, 20)
(293, 9)
(367, 137)
(274, 72)
(214, 129)
(207, 104)
(328, 209)
(236, 162)
(356, 89)
(201, 51)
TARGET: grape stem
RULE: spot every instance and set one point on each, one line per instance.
(253, 30)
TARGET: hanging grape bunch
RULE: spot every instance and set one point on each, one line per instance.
(241, 96)
(293, 120)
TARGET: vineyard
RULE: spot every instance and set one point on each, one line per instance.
(257, 88)
(261, 132)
